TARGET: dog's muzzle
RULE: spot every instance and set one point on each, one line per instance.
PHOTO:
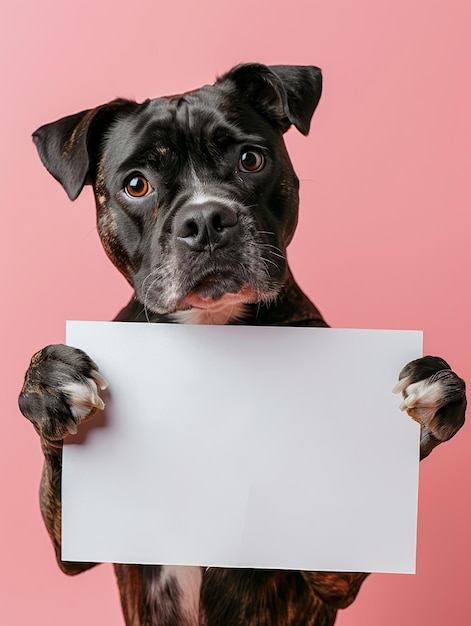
(203, 230)
(208, 253)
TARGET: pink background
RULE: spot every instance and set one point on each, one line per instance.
(383, 242)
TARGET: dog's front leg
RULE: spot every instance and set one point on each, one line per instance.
(60, 391)
(435, 397)
(51, 507)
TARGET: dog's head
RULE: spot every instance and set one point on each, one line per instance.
(196, 196)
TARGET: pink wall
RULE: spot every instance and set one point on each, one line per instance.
(384, 238)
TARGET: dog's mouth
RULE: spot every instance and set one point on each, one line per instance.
(217, 290)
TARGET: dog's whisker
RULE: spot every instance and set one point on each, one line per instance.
(265, 260)
(278, 252)
(149, 276)
(270, 245)
(280, 256)
(311, 180)
(271, 263)
(147, 292)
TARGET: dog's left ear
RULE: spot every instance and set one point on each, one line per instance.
(286, 94)
(68, 147)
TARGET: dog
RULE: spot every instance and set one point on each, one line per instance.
(197, 202)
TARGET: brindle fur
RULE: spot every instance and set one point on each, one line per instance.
(86, 148)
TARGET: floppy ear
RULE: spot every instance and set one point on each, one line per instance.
(69, 146)
(286, 94)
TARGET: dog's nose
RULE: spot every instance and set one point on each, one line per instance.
(206, 226)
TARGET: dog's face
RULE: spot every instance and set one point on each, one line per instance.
(196, 196)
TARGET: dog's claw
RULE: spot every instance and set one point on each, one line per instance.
(100, 381)
(98, 403)
(71, 426)
(401, 385)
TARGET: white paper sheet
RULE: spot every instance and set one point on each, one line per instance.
(240, 446)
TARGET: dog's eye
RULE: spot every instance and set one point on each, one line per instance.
(137, 186)
(251, 161)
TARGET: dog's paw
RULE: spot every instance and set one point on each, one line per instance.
(434, 396)
(60, 391)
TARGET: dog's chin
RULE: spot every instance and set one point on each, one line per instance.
(214, 296)
(215, 300)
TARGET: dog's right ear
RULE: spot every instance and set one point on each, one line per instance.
(285, 94)
(68, 147)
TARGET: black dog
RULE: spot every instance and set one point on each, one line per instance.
(197, 202)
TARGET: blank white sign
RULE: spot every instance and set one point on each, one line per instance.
(236, 446)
